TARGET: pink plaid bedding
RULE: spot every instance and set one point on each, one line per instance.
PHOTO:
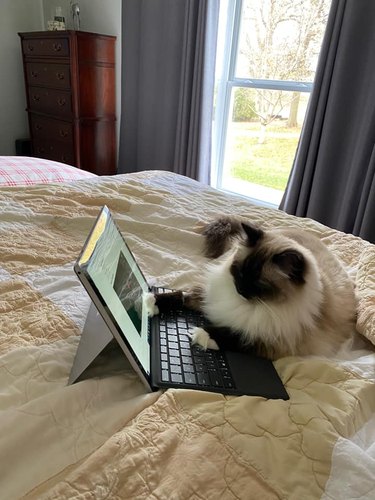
(25, 171)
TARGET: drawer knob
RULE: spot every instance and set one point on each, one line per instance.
(38, 127)
(57, 47)
(30, 47)
(61, 101)
(36, 98)
(60, 76)
(40, 149)
(63, 133)
(34, 74)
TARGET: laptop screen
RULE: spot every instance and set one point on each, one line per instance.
(111, 268)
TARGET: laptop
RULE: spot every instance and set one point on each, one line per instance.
(159, 347)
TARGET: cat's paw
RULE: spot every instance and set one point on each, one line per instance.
(200, 337)
(149, 301)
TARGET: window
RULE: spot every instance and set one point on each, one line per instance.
(266, 60)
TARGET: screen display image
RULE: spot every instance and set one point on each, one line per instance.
(129, 292)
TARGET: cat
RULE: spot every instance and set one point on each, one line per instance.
(276, 292)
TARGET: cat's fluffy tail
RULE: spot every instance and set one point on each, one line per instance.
(219, 235)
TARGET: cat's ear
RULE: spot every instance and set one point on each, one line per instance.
(253, 233)
(292, 263)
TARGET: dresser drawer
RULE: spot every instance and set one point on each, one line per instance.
(56, 47)
(54, 150)
(53, 130)
(51, 101)
(48, 75)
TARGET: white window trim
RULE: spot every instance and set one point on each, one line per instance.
(225, 84)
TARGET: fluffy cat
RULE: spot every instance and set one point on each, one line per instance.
(278, 292)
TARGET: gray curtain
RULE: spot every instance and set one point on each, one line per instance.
(168, 62)
(332, 179)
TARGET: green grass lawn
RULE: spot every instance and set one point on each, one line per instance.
(267, 164)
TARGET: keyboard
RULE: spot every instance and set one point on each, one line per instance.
(186, 364)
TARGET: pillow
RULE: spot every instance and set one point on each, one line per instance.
(25, 171)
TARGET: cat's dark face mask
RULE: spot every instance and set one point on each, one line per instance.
(284, 269)
(247, 273)
(247, 276)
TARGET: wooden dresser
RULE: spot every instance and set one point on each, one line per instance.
(70, 91)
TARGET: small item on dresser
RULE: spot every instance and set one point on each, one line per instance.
(58, 22)
(74, 7)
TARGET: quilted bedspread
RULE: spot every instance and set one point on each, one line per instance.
(105, 437)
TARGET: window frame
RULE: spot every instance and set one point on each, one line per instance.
(226, 84)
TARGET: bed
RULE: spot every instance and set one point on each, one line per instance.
(105, 437)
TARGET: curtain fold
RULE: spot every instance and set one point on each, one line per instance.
(332, 178)
(168, 65)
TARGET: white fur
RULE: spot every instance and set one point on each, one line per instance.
(281, 324)
(149, 302)
(200, 337)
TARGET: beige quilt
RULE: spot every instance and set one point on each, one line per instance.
(105, 437)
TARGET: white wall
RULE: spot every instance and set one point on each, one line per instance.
(15, 16)
(99, 16)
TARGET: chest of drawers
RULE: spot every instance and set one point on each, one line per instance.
(70, 93)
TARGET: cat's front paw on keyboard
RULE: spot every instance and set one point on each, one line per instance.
(200, 337)
(149, 301)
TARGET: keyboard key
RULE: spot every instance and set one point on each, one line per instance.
(184, 345)
(215, 378)
(184, 335)
(203, 378)
(176, 369)
(187, 359)
(165, 375)
(172, 338)
(198, 356)
(185, 352)
(163, 348)
(188, 368)
(175, 377)
(174, 352)
(172, 345)
(197, 351)
(164, 357)
(189, 378)
(164, 365)
(174, 361)
(163, 342)
(228, 383)
(200, 367)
